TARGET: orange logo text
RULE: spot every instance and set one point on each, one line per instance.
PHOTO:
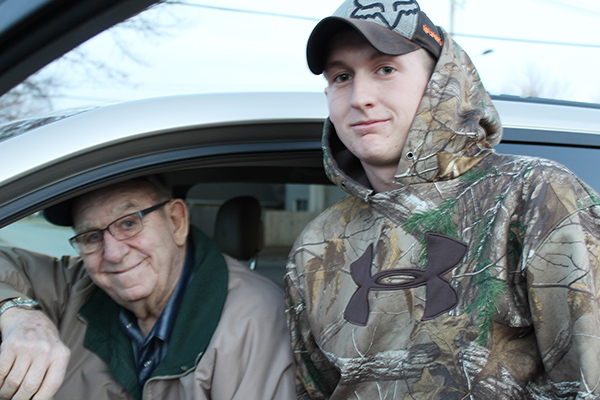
(433, 35)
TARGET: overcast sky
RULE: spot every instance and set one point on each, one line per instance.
(209, 47)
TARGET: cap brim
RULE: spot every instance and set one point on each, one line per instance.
(380, 37)
(60, 214)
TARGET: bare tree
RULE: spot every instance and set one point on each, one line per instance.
(534, 83)
(34, 95)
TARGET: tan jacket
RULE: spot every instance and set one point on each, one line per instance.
(248, 357)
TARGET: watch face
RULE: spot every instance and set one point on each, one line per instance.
(19, 302)
(25, 302)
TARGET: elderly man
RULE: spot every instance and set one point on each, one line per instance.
(148, 311)
(449, 271)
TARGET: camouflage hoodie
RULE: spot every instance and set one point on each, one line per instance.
(477, 279)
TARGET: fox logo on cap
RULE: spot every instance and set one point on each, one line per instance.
(390, 16)
(393, 27)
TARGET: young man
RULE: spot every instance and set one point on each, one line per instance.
(449, 271)
(149, 311)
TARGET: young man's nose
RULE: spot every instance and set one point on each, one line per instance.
(362, 92)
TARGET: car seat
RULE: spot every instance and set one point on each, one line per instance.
(239, 229)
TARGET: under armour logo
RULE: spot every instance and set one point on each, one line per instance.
(443, 255)
(389, 16)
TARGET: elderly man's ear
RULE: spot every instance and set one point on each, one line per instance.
(177, 212)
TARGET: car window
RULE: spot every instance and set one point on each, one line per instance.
(286, 209)
(36, 234)
(581, 160)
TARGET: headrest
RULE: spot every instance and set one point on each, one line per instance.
(238, 228)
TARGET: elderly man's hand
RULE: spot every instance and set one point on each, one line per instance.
(33, 360)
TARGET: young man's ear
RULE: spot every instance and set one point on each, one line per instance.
(179, 218)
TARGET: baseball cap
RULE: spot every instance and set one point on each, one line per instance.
(391, 26)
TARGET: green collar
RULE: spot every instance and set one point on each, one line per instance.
(197, 320)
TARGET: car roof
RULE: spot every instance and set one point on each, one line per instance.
(49, 139)
(35, 32)
(547, 114)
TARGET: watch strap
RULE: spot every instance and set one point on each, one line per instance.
(21, 302)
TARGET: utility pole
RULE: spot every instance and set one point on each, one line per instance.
(452, 11)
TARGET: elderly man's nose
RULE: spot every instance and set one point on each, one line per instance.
(114, 250)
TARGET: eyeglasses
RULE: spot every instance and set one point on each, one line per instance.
(123, 228)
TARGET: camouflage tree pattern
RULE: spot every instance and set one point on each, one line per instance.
(520, 316)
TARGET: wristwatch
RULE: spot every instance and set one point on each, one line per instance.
(21, 302)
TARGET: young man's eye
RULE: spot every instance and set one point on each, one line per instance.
(386, 70)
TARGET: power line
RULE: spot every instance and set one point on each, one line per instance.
(281, 15)
(545, 42)
(569, 7)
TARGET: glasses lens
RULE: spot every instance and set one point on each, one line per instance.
(122, 229)
(87, 242)
(126, 227)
